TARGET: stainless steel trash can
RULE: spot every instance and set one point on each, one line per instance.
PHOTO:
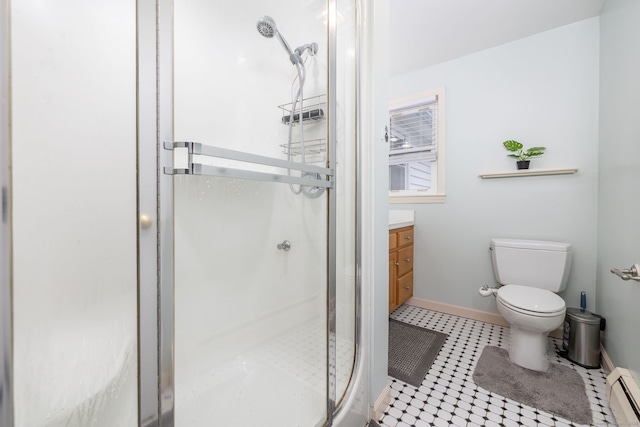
(581, 337)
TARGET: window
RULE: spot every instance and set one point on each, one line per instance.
(416, 148)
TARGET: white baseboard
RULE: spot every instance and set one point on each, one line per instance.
(455, 310)
(381, 403)
(607, 364)
(469, 313)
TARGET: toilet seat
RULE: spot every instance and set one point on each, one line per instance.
(531, 301)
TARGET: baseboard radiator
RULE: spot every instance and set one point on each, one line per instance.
(624, 397)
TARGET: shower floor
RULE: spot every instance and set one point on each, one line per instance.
(253, 388)
(448, 395)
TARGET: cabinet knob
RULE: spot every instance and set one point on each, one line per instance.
(397, 263)
(408, 259)
(408, 237)
(407, 287)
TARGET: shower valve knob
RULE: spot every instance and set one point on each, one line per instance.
(284, 246)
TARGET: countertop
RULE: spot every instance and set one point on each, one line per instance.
(401, 218)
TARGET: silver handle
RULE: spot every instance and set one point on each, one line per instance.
(397, 263)
(628, 274)
(407, 287)
(408, 237)
(284, 246)
(325, 176)
(408, 259)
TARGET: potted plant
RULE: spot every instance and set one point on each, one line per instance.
(521, 154)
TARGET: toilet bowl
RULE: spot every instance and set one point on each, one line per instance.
(531, 313)
(531, 272)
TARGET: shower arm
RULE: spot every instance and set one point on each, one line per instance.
(311, 47)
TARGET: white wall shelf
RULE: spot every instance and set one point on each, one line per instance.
(528, 172)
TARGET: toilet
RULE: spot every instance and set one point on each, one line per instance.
(531, 273)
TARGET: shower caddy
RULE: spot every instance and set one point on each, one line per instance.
(313, 111)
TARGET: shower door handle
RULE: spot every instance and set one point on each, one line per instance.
(145, 221)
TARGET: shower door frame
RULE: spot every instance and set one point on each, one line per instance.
(6, 340)
(155, 217)
(155, 213)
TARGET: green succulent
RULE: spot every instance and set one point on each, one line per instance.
(520, 153)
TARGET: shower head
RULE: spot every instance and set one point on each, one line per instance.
(266, 26)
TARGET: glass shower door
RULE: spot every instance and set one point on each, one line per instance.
(250, 241)
(250, 329)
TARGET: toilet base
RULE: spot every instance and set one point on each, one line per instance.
(528, 349)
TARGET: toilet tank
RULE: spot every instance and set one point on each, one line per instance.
(534, 263)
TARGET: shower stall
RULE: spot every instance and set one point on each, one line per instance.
(264, 187)
(238, 299)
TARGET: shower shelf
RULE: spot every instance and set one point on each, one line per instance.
(189, 153)
(311, 147)
(313, 109)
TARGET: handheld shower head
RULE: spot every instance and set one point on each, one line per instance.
(266, 26)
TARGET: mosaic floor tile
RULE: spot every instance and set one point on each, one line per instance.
(448, 396)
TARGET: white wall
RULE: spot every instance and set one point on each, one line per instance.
(541, 90)
(618, 227)
(375, 240)
(229, 81)
(73, 118)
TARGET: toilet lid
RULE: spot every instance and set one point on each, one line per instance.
(533, 300)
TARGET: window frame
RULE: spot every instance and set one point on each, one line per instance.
(437, 194)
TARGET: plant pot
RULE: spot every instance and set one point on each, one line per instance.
(523, 164)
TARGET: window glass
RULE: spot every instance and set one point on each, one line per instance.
(416, 146)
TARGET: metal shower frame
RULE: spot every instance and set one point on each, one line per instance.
(155, 118)
(6, 327)
(155, 228)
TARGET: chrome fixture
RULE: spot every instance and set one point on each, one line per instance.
(311, 47)
(267, 27)
(486, 291)
(311, 176)
(632, 273)
(285, 246)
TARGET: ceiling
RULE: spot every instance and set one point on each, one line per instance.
(428, 32)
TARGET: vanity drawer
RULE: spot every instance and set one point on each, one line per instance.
(405, 288)
(405, 237)
(405, 260)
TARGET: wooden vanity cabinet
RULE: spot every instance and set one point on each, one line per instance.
(400, 266)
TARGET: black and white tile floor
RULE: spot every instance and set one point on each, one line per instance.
(448, 396)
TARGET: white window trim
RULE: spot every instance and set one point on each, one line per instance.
(438, 194)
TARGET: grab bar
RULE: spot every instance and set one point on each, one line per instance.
(316, 176)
